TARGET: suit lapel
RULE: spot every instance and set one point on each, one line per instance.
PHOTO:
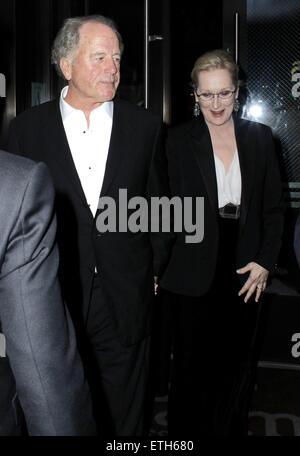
(246, 148)
(117, 147)
(203, 152)
(60, 155)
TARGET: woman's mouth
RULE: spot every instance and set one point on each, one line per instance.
(217, 113)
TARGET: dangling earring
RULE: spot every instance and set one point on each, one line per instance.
(236, 105)
(196, 109)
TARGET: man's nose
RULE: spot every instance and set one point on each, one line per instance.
(111, 66)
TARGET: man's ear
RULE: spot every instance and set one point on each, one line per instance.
(66, 67)
(237, 93)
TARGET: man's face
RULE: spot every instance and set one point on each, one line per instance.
(94, 71)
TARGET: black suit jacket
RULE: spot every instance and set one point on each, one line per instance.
(126, 261)
(192, 173)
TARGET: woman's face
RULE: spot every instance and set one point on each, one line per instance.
(217, 110)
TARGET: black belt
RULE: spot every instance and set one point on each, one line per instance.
(230, 211)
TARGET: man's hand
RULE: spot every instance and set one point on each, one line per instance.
(257, 280)
(155, 284)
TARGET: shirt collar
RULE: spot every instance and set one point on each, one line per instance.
(66, 109)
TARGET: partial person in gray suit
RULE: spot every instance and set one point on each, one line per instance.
(41, 376)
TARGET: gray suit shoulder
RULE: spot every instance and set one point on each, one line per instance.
(16, 170)
(15, 163)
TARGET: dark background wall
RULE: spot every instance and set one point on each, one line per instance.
(196, 27)
(29, 27)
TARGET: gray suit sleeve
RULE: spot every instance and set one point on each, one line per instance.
(39, 334)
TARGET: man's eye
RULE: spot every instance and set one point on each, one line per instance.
(206, 95)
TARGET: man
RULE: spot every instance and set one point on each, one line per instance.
(96, 145)
(39, 364)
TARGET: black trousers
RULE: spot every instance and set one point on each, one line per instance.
(214, 352)
(118, 375)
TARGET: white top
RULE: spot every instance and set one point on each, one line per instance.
(230, 184)
(89, 146)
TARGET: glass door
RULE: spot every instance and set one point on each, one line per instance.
(27, 32)
(263, 36)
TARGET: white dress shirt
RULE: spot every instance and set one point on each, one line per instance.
(89, 145)
(230, 184)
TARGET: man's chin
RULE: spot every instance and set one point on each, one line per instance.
(107, 96)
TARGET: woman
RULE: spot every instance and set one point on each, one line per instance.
(217, 284)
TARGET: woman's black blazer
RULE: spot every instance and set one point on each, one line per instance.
(192, 173)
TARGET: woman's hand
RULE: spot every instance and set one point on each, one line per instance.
(257, 280)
